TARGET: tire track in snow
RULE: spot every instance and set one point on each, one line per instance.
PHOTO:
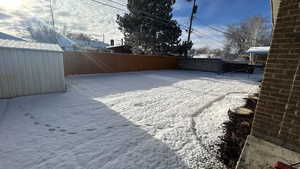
(201, 110)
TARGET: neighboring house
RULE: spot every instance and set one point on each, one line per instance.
(120, 49)
(207, 56)
(258, 55)
(91, 45)
(65, 43)
(9, 37)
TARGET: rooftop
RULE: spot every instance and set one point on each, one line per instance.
(29, 45)
(9, 37)
(259, 50)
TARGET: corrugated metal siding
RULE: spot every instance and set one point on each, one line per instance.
(28, 72)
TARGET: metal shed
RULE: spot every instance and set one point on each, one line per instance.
(30, 68)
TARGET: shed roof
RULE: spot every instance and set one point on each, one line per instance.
(9, 37)
(259, 50)
(29, 45)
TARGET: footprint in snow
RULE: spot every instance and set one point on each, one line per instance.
(91, 129)
(36, 123)
(47, 125)
(51, 129)
(32, 117)
(62, 130)
(72, 133)
(27, 114)
(138, 104)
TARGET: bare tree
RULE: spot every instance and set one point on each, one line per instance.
(79, 36)
(255, 31)
(212, 53)
(40, 32)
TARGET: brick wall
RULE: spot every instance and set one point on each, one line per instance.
(278, 112)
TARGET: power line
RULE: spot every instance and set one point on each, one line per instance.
(152, 17)
(221, 31)
(217, 30)
(141, 11)
(213, 28)
(105, 4)
(195, 30)
(119, 3)
(221, 44)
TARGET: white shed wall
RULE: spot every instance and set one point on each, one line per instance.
(28, 72)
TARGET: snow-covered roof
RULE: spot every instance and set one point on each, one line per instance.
(206, 56)
(202, 56)
(259, 50)
(29, 45)
(92, 44)
(9, 37)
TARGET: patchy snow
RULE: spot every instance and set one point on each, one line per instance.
(139, 120)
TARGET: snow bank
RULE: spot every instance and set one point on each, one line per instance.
(155, 119)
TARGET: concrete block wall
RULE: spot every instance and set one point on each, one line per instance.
(277, 117)
(207, 65)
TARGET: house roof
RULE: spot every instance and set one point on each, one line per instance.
(259, 50)
(29, 45)
(9, 37)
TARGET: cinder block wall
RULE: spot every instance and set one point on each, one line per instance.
(207, 65)
(278, 112)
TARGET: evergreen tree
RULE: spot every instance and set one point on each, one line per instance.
(149, 28)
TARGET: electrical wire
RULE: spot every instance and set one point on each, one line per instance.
(108, 5)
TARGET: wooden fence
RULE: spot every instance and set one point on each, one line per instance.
(92, 62)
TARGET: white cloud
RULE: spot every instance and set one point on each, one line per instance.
(78, 15)
(88, 17)
(182, 4)
(203, 36)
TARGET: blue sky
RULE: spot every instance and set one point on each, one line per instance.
(223, 12)
(95, 19)
(218, 13)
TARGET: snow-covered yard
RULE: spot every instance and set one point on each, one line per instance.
(140, 120)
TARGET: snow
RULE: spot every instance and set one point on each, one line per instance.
(259, 50)
(9, 37)
(206, 56)
(14, 44)
(138, 120)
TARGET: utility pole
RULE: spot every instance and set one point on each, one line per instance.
(194, 10)
(52, 15)
(53, 22)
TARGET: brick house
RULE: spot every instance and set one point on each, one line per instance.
(275, 134)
